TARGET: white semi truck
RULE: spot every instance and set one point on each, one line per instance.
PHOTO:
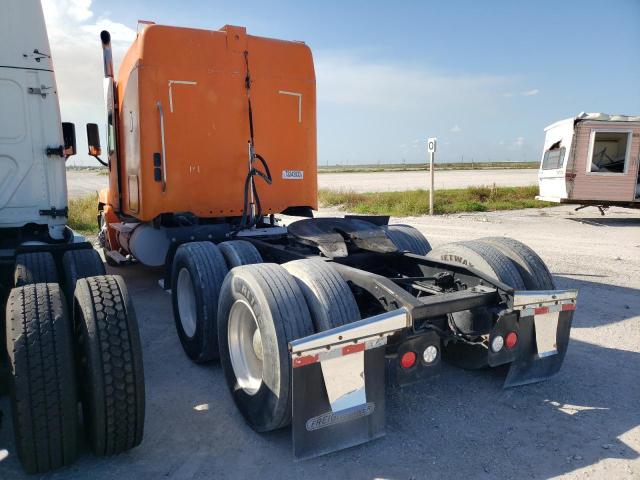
(70, 330)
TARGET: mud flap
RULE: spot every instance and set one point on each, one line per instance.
(338, 385)
(543, 337)
(318, 428)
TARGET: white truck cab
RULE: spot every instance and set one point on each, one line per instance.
(34, 144)
(45, 270)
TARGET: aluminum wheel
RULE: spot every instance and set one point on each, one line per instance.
(186, 303)
(245, 347)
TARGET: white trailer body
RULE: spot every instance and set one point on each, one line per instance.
(33, 185)
(592, 159)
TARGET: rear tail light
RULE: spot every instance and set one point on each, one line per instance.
(408, 360)
(430, 354)
(511, 340)
(497, 343)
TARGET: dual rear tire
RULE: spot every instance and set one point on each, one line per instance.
(504, 259)
(52, 349)
(263, 308)
(246, 312)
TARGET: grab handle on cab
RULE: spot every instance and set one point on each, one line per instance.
(164, 151)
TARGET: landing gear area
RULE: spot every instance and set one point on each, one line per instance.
(72, 345)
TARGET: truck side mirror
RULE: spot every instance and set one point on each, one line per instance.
(93, 139)
(69, 137)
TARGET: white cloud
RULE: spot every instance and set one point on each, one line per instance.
(518, 143)
(74, 36)
(455, 129)
(79, 10)
(526, 93)
(343, 78)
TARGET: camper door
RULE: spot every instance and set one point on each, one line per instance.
(551, 175)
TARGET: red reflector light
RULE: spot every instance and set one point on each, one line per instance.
(511, 339)
(541, 310)
(568, 307)
(408, 360)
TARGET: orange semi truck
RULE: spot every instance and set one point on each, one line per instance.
(211, 135)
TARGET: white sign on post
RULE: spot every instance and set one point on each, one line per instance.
(431, 148)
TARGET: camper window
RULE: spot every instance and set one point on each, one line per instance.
(609, 151)
(553, 158)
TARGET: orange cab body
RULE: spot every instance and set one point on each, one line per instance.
(196, 78)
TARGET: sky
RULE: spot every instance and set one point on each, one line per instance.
(485, 78)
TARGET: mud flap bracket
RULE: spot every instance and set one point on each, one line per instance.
(338, 385)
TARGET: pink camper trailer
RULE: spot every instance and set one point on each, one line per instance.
(592, 159)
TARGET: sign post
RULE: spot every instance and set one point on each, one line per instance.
(431, 148)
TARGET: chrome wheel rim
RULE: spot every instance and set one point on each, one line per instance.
(245, 347)
(186, 303)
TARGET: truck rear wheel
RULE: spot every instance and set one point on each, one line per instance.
(483, 257)
(109, 364)
(532, 269)
(239, 252)
(196, 277)
(42, 379)
(261, 310)
(475, 323)
(328, 296)
(34, 267)
(78, 264)
(408, 238)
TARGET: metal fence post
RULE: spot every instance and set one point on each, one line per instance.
(431, 148)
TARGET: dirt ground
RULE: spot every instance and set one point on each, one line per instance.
(82, 183)
(583, 423)
(398, 181)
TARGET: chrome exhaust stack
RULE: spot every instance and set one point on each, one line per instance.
(107, 57)
(111, 101)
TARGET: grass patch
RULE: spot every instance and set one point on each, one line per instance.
(416, 202)
(82, 214)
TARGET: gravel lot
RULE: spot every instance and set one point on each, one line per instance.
(82, 183)
(583, 423)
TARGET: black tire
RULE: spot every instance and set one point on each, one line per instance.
(109, 364)
(34, 267)
(281, 315)
(42, 377)
(328, 296)
(77, 264)
(205, 269)
(483, 257)
(407, 238)
(239, 252)
(532, 269)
